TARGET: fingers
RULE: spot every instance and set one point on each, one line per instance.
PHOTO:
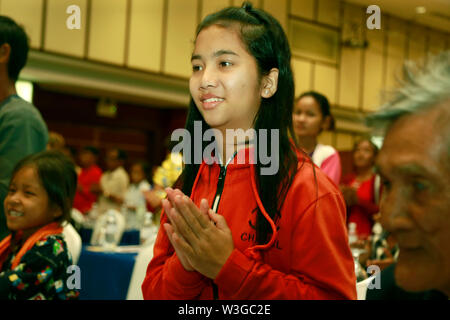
(186, 206)
(182, 245)
(179, 245)
(168, 209)
(190, 213)
(177, 241)
(177, 221)
(218, 220)
(181, 227)
(200, 214)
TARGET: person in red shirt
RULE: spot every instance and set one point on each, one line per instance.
(236, 229)
(359, 188)
(88, 180)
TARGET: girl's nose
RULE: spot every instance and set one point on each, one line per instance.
(300, 117)
(12, 199)
(209, 79)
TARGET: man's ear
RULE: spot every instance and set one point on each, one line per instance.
(269, 83)
(5, 51)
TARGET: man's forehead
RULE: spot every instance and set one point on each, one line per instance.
(412, 144)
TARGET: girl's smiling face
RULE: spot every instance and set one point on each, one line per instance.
(225, 84)
(26, 204)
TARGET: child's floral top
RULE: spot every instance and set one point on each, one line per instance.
(42, 274)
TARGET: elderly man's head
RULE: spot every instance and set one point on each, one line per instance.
(414, 163)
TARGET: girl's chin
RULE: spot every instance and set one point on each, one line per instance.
(12, 226)
(303, 134)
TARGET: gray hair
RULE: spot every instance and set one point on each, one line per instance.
(422, 90)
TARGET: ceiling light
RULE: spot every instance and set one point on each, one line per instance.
(421, 10)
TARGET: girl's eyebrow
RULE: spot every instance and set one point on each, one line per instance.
(222, 52)
(216, 54)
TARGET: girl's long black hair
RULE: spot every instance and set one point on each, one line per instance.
(267, 43)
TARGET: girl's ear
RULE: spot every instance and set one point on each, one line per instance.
(56, 212)
(326, 123)
(269, 83)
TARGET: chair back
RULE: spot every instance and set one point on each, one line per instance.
(77, 217)
(73, 241)
(361, 288)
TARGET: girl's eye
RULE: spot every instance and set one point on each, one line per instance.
(196, 68)
(11, 190)
(29, 193)
(225, 64)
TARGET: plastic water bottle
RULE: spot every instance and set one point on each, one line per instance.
(92, 216)
(148, 229)
(352, 235)
(110, 240)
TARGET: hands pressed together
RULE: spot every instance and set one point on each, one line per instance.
(201, 238)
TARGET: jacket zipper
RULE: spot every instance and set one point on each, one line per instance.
(220, 185)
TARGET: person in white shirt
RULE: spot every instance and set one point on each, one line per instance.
(114, 181)
(139, 174)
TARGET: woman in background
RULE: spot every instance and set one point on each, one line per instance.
(310, 117)
(361, 190)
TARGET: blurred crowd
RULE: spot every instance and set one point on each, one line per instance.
(131, 188)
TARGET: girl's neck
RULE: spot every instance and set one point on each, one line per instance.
(363, 174)
(228, 148)
(27, 233)
(16, 242)
(308, 144)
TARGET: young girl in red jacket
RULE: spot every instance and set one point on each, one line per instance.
(231, 230)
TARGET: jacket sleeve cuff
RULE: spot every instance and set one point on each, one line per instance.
(234, 272)
(185, 278)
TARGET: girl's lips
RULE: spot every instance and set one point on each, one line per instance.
(299, 128)
(211, 103)
(13, 214)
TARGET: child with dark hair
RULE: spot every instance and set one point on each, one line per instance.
(34, 258)
(234, 230)
(310, 117)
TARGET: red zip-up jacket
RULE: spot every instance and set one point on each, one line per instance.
(307, 257)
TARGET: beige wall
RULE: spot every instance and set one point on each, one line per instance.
(157, 36)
